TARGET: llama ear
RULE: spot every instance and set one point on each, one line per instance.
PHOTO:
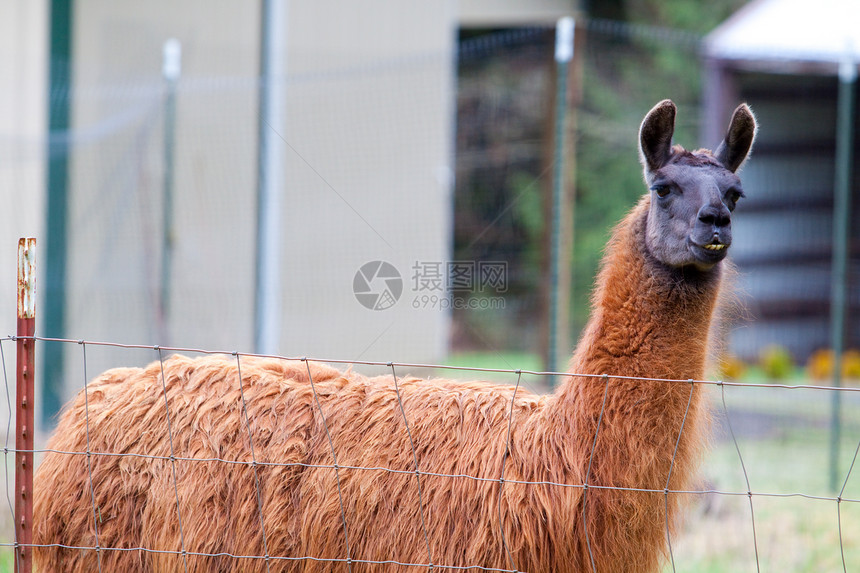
(655, 136)
(739, 139)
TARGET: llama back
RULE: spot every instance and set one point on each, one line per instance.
(123, 417)
(457, 428)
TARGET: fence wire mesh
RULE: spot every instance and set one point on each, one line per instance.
(843, 502)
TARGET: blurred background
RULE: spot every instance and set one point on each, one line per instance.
(380, 180)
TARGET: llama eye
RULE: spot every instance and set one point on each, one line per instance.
(733, 195)
(661, 190)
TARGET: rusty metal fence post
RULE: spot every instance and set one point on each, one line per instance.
(24, 418)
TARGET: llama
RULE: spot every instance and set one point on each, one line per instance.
(280, 493)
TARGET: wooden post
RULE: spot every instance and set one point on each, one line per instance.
(24, 418)
(559, 209)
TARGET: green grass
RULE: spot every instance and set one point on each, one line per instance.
(791, 533)
(501, 360)
(785, 446)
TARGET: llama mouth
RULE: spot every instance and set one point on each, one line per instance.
(709, 253)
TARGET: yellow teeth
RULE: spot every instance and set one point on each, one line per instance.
(718, 247)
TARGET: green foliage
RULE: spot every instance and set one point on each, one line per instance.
(501, 179)
(691, 15)
(776, 362)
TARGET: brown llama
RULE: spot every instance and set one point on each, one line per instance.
(652, 311)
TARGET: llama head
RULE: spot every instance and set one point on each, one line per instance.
(692, 193)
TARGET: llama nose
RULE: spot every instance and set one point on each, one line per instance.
(716, 216)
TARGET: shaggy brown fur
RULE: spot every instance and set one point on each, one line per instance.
(649, 320)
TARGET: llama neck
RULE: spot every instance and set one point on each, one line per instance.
(648, 320)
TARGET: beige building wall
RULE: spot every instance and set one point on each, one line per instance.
(368, 162)
(117, 179)
(478, 13)
(367, 151)
(23, 125)
(23, 121)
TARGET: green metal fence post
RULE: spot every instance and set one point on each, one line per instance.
(170, 71)
(841, 221)
(56, 249)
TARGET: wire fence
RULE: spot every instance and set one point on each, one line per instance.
(349, 559)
